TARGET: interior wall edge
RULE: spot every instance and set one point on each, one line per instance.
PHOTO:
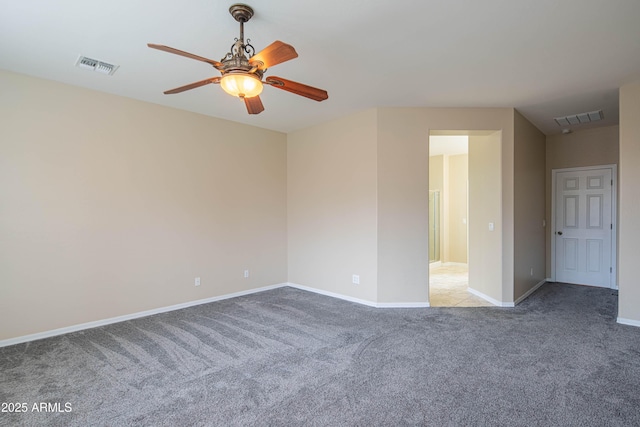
(493, 301)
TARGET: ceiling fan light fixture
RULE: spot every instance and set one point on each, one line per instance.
(242, 68)
(241, 85)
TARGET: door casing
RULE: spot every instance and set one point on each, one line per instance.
(614, 218)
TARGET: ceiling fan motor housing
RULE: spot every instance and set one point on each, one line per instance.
(241, 12)
(236, 61)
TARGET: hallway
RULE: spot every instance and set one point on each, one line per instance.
(448, 287)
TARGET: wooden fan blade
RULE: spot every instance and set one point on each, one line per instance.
(193, 85)
(298, 88)
(274, 54)
(216, 64)
(254, 105)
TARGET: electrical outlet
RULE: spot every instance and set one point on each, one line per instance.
(246, 274)
(355, 279)
(197, 281)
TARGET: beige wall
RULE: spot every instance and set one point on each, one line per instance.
(110, 206)
(485, 200)
(629, 226)
(403, 195)
(457, 202)
(403, 203)
(529, 191)
(591, 147)
(436, 172)
(332, 212)
(437, 182)
(448, 174)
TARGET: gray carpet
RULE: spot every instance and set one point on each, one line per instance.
(289, 357)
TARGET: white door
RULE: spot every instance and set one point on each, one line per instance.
(584, 227)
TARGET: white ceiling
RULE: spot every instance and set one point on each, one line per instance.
(547, 58)
(450, 145)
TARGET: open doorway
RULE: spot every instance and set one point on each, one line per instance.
(448, 222)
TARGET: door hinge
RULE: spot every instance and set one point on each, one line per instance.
(612, 226)
(610, 269)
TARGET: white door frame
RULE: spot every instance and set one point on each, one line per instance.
(614, 218)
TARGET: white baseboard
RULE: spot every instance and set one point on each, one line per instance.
(361, 301)
(403, 305)
(629, 322)
(103, 322)
(332, 294)
(491, 300)
(530, 291)
(109, 321)
(507, 304)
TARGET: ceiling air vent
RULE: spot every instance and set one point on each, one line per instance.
(578, 119)
(96, 65)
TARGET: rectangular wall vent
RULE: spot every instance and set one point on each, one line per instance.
(578, 119)
(96, 65)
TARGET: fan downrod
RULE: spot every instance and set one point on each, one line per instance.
(241, 12)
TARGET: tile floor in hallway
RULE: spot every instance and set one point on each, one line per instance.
(448, 287)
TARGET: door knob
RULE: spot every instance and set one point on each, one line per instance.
(559, 233)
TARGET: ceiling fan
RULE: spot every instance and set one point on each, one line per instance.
(242, 69)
